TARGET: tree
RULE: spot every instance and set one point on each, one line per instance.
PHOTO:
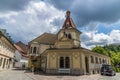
(100, 50)
(113, 51)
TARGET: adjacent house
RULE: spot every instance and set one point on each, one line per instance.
(21, 58)
(62, 53)
(7, 51)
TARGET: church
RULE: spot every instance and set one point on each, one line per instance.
(62, 53)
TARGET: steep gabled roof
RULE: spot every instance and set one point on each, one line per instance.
(68, 23)
(23, 46)
(20, 51)
(46, 38)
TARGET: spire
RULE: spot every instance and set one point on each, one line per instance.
(68, 23)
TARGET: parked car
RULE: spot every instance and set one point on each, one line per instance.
(107, 70)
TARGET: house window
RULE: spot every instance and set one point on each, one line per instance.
(34, 50)
(64, 62)
(92, 59)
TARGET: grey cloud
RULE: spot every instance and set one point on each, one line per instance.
(27, 25)
(89, 42)
(13, 5)
(85, 38)
(57, 21)
(86, 11)
(1, 21)
(61, 4)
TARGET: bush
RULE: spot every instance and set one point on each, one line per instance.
(116, 69)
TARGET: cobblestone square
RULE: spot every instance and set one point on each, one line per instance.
(23, 75)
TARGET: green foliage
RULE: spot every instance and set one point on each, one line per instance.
(100, 50)
(113, 51)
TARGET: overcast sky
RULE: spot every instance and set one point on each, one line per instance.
(98, 20)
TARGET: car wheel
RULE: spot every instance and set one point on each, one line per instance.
(101, 73)
(114, 74)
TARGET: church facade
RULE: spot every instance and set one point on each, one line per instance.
(62, 53)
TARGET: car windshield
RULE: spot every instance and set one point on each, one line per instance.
(108, 67)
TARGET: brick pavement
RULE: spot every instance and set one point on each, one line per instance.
(25, 75)
(41, 76)
(13, 75)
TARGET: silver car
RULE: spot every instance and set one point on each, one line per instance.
(107, 70)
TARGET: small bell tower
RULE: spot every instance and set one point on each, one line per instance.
(68, 23)
(68, 36)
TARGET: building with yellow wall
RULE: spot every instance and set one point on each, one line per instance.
(7, 50)
(62, 53)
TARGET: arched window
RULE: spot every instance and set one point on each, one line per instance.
(34, 50)
(61, 62)
(67, 62)
(69, 36)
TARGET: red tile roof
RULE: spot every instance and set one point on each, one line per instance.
(23, 46)
(21, 51)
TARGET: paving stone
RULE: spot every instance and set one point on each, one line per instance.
(23, 75)
(13, 75)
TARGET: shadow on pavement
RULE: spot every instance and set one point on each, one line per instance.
(18, 69)
(44, 74)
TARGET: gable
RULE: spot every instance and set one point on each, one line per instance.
(45, 38)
